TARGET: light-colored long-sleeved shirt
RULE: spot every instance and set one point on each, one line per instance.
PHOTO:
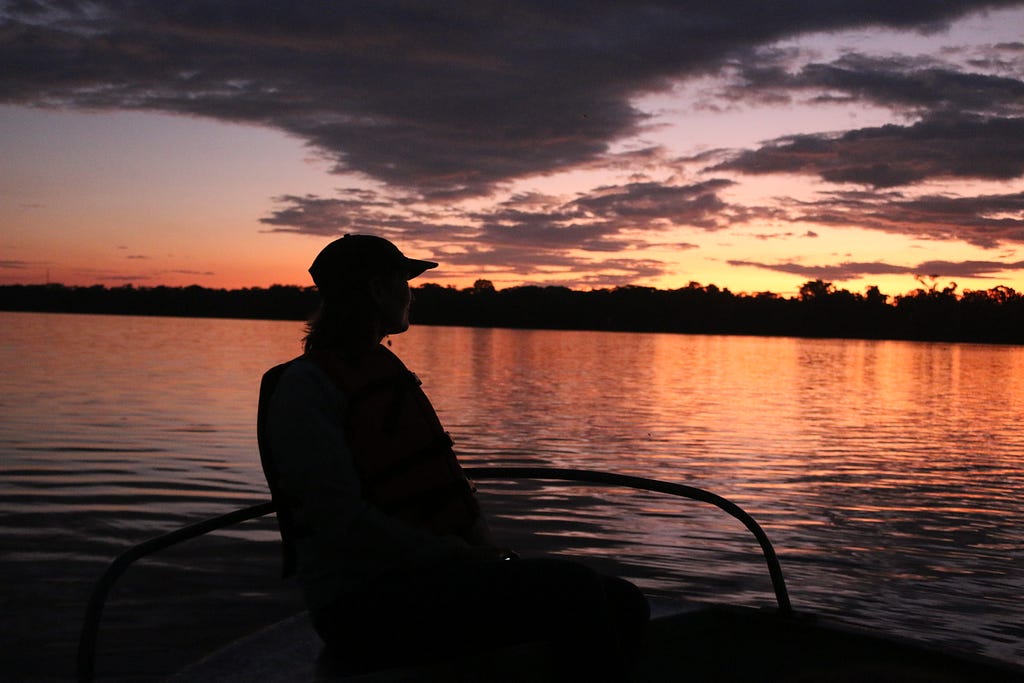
(345, 541)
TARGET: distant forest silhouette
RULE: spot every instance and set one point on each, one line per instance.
(820, 309)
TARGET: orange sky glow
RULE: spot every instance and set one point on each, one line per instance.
(861, 150)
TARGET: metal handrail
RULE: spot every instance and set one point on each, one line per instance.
(568, 476)
(94, 609)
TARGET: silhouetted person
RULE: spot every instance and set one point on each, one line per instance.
(395, 559)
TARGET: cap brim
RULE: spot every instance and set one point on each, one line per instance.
(415, 267)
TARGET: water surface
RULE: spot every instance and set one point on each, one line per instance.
(888, 474)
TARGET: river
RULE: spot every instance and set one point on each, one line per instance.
(889, 475)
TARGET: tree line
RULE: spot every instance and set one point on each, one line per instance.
(820, 309)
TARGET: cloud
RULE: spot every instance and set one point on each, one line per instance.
(530, 235)
(527, 233)
(953, 146)
(854, 270)
(556, 266)
(987, 221)
(660, 204)
(444, 99)
(768, 236)
(124, 278)
(121, 277)
(357, 211)
(916, 85)
(14, 265)
(446, 104)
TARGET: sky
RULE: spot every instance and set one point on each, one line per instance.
(750, 145)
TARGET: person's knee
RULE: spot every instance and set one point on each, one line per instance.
(628, 600)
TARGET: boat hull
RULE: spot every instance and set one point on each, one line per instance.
(707, 643)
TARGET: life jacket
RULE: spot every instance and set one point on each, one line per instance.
(402, 453)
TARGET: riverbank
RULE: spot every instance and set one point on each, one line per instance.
(993, 316)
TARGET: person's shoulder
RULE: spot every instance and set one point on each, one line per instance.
(303, 370)
(303, 386)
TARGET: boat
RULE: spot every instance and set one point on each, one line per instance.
(684, 641)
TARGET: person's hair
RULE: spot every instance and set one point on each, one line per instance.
(339, 323)
(345, 321)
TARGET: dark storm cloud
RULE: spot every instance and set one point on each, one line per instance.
(446, 99)
(852, 270)
(944, 146)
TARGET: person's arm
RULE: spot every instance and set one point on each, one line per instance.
(317, 470)
(480, 533)
(482, 545)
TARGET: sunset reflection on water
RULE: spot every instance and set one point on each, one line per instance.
(887, 474)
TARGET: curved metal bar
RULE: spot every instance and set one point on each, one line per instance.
(681, 490)
(94, 609)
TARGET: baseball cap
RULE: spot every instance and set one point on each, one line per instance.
(357, 258)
